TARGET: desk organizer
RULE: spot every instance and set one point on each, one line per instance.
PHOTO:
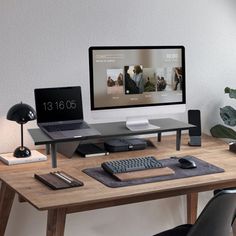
(56, 183)
(203, 168)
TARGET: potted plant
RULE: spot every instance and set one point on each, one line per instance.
(228, 115)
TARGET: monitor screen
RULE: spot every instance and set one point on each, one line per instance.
(141, 76)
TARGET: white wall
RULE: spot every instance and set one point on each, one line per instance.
(45, 43)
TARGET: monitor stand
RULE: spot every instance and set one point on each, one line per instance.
(68, 148)
(139, 124)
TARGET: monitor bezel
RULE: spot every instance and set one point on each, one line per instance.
(93, 48)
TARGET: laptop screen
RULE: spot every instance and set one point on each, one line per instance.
(58, 104)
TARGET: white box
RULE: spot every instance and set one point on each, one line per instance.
(9, 159)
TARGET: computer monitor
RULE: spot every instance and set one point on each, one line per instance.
(136, 80)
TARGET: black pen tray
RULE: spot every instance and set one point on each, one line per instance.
(56, 183)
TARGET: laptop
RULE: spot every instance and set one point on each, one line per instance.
(60, 113)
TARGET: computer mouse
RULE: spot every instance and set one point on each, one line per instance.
(186, 163)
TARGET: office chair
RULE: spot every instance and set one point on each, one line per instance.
(216, 218)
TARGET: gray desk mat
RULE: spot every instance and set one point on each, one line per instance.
(203, 168)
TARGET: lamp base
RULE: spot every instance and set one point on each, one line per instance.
(22, 152)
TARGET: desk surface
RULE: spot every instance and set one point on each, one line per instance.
(95, 195)
(115, 129)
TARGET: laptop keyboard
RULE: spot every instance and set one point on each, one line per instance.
(63, 127)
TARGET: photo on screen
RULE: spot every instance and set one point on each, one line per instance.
(149, 80)
(178, 78)
(164, 78)
(134, 80)
(115, 81)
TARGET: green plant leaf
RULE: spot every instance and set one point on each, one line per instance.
(228, 115)
(231, 92)
(221, 131)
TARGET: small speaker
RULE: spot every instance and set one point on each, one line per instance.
(194, 118)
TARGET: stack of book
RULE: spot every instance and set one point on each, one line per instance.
(91, 149)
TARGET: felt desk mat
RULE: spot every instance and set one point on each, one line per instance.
(203, 168)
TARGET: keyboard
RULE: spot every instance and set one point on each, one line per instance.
(62, 127)
(133, 164)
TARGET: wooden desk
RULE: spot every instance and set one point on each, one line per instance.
(94, 195)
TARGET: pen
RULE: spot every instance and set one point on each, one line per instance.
(61, 177)
(65, 176)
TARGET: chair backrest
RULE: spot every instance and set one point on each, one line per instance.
(217, 217)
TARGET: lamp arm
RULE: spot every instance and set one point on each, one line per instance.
(22, 145)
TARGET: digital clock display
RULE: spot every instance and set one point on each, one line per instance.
(58, 104)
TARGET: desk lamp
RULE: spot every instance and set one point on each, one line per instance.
(21, 113)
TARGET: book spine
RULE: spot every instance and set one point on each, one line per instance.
(96, 154)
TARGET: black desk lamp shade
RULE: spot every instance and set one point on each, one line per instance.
(21, 113)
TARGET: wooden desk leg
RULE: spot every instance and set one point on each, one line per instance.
(56, 222)
(159, 137)
(6, 199)
(192, 202)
